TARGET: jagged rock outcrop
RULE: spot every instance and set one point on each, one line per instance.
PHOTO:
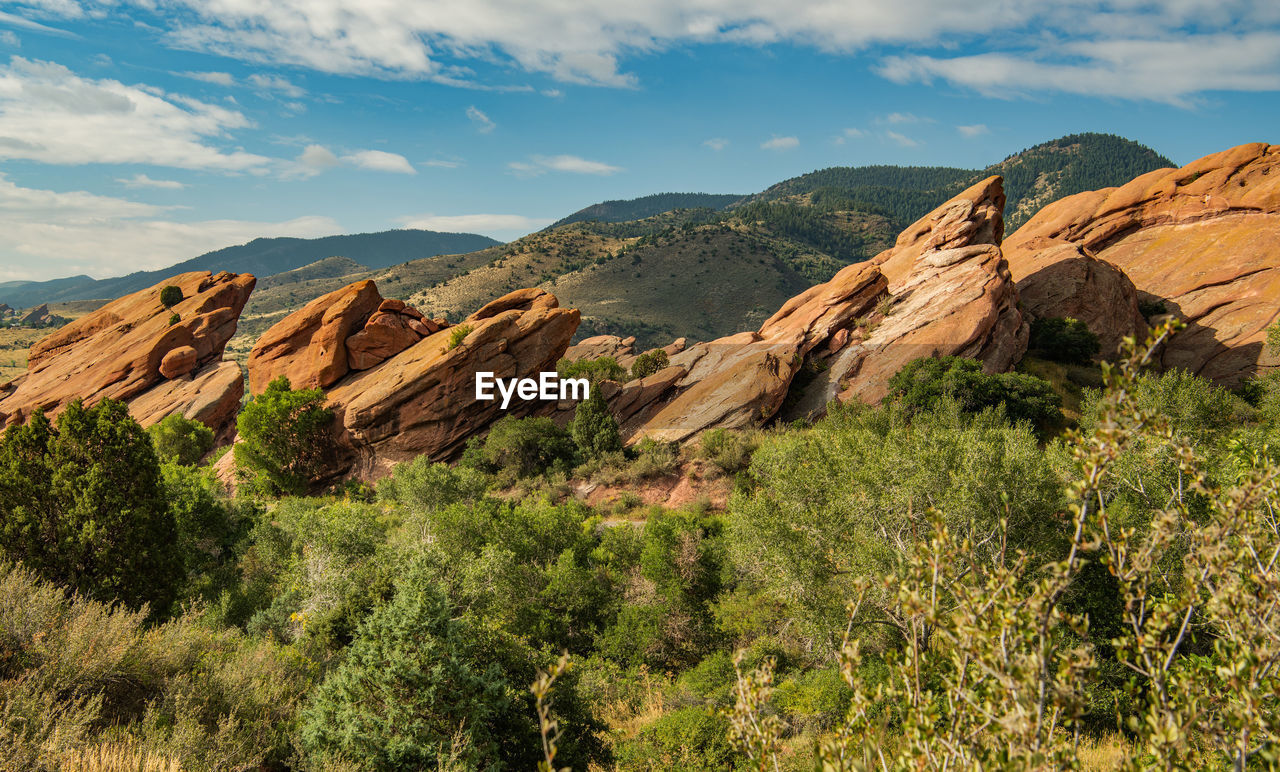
(36, 316)
(128, 350)
(1060, 279)
(1202, 238)
(352, 328)
(943, 289)
(422, 400)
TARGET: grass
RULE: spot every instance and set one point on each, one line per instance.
(1068, 381)
(14, 345)
(117, 757)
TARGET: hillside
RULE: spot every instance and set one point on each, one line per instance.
(646, 206)
(262, 258)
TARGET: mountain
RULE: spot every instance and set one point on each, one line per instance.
(646, 206)
(261, 257)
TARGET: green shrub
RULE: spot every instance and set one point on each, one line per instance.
(285, 437)
(181, 440)
(729, 450)
(174, 319)
(594, 429)
(654, 458)
(686, 740)
(1273, 335)
(84, 506)
(594, 370)
(457, 334)
(523, 447)
(170, 296)
(422, 485)
(1150, 308)
(924, 383)
(1064, 340)
(649, 363)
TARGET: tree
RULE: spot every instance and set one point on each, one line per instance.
(170, 296)
(181, 440)
(285, 437)
(522, 447)
(921, 384)
(1064, 340)
(649, 363)
(594, 429)
(85, 507)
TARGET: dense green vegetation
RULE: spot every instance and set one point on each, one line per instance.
(646, 206)
(878, 581)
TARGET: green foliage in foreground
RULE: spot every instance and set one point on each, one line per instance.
(649, 363)
(170, 296)
(923, 383)
(285, 437)
(84, 505)
(594, 370)
(594, 429)
(181, 440)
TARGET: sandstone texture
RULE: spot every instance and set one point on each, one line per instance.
(128, 350)
(943, 289)
(422, 399)
(1057, 278)
(1205, 239)
(352, 328)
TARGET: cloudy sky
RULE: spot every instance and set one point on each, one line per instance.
(137, 133)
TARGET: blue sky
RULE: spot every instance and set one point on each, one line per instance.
(136, 133)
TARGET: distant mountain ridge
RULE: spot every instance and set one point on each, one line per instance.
(261, 257)
(625, 210)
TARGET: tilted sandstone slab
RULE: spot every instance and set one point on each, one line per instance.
(352, 328)
(1060, 279)
(128, 349)
(1202, 238)
(422, 400)
(211, 396)
(950, 293)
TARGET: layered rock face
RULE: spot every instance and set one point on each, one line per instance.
(1202, 238)
(128, 350)
(401, 395)
(352, 328)
(943, 289)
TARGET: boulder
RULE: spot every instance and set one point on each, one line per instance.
(128, 349)
(599, 346)
(1057, 278)
(36, 316)
(211, 396)
(309, 346)
(386, 334)
(1202, 239)
(422, 400)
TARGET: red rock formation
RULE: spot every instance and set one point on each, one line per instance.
(128, 350)
(1202, 238)
(1057, 278)
(422, 400)
(952, 294)
(309, 346)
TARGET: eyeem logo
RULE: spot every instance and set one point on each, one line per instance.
(547, 386)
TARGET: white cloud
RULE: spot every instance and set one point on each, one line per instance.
(51, 115)
(1171, 69)
(483, 123)
(1029, 45)
(539, 164)
(216, 78)
(316, 158)
(444, 163)
(902, 139)
(975, 130)
(716, 143)
(503, 226)
(9, 39)
(380, 161)
(847, 135)
(553, 93)
(274, 84)
(143, 181)
(899, 118)
(50, 234)
(780, 143)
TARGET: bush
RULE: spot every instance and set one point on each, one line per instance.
(730, 451)
(1064, 340)
(594, 429)
(1150, 308)
(170, 296)
(181, 440)
(457, 334)
(686, 740)
(420, 688)
(523, 447)
(594, 370)
(924, 383)
(649, 363)
(84, 506)
(174, 319)
(422, 485)
(285, 437)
